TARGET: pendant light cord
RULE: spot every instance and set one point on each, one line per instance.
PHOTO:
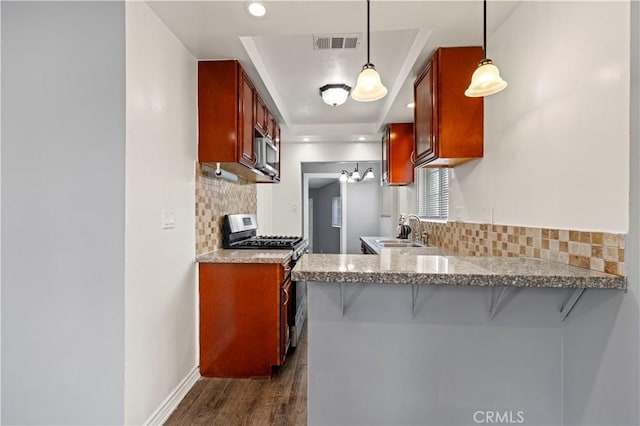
(368, 33)
(484, 28)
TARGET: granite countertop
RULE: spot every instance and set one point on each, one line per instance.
(245, 256)
(432, 266)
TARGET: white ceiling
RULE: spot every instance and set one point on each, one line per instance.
(277, 53)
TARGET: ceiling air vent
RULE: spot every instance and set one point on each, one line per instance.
(336, 41)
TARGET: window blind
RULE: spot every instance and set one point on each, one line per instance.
(433, 193)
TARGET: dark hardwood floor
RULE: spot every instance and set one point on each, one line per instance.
(281, 400)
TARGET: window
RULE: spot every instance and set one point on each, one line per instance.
(433, 193)
(336, 212)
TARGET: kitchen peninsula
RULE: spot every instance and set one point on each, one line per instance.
(417, 336)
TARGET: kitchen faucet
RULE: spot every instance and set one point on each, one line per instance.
(417, 218)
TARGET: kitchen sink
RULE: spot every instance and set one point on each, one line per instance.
(400, 245)
(397, 243)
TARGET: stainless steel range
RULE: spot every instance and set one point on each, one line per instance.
(239, 233)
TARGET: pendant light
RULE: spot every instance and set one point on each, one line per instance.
(369, 87)
(486, 78)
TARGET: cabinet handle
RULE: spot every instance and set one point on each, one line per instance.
(287, 299)
(413, 157)
(287, 270)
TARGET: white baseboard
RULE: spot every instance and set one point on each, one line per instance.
(171, 402)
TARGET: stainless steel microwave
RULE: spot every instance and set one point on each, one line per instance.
(267, 156)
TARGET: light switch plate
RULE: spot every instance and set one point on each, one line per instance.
(168, 219)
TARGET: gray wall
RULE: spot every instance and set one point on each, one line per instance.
(363, 211)
(380, 364)
(63, 144)
(363, 200)
(602, 336)
(326, 238)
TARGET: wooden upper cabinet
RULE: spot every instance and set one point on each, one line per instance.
(448, 127)
(219, 129)
(397, 147)
(229, 109)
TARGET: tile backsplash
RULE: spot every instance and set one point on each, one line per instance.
(215, 198)
(599, 251)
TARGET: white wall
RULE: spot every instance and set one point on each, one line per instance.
(556, 140)
(285, 217)
(63, 200)
(601, 338)
(160, 276)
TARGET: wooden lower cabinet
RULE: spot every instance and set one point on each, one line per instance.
(243, 318)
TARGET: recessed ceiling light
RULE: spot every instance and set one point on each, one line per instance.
(411, 105)
(257, 9)
(305, 139)
(361, 138)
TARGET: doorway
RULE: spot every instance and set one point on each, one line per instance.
(325, 212)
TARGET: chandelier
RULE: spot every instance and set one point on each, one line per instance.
(355, 176)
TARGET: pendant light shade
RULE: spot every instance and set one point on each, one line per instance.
(369, 86)
(486, 78)
(485, 81)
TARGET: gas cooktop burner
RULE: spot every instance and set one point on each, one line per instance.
(265, 241)
(239, 232)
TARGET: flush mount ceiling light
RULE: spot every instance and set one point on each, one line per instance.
(335, 94)
(354, 176)
(411, 105)
(257, 9)
(369, 87)
(486, 78)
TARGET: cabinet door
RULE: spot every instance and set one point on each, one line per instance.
(260, 116)
(399, 150)
(240, 309)
(425, 119)
(385, 155)
(271, 124)
(245, 123)
(285, 312)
